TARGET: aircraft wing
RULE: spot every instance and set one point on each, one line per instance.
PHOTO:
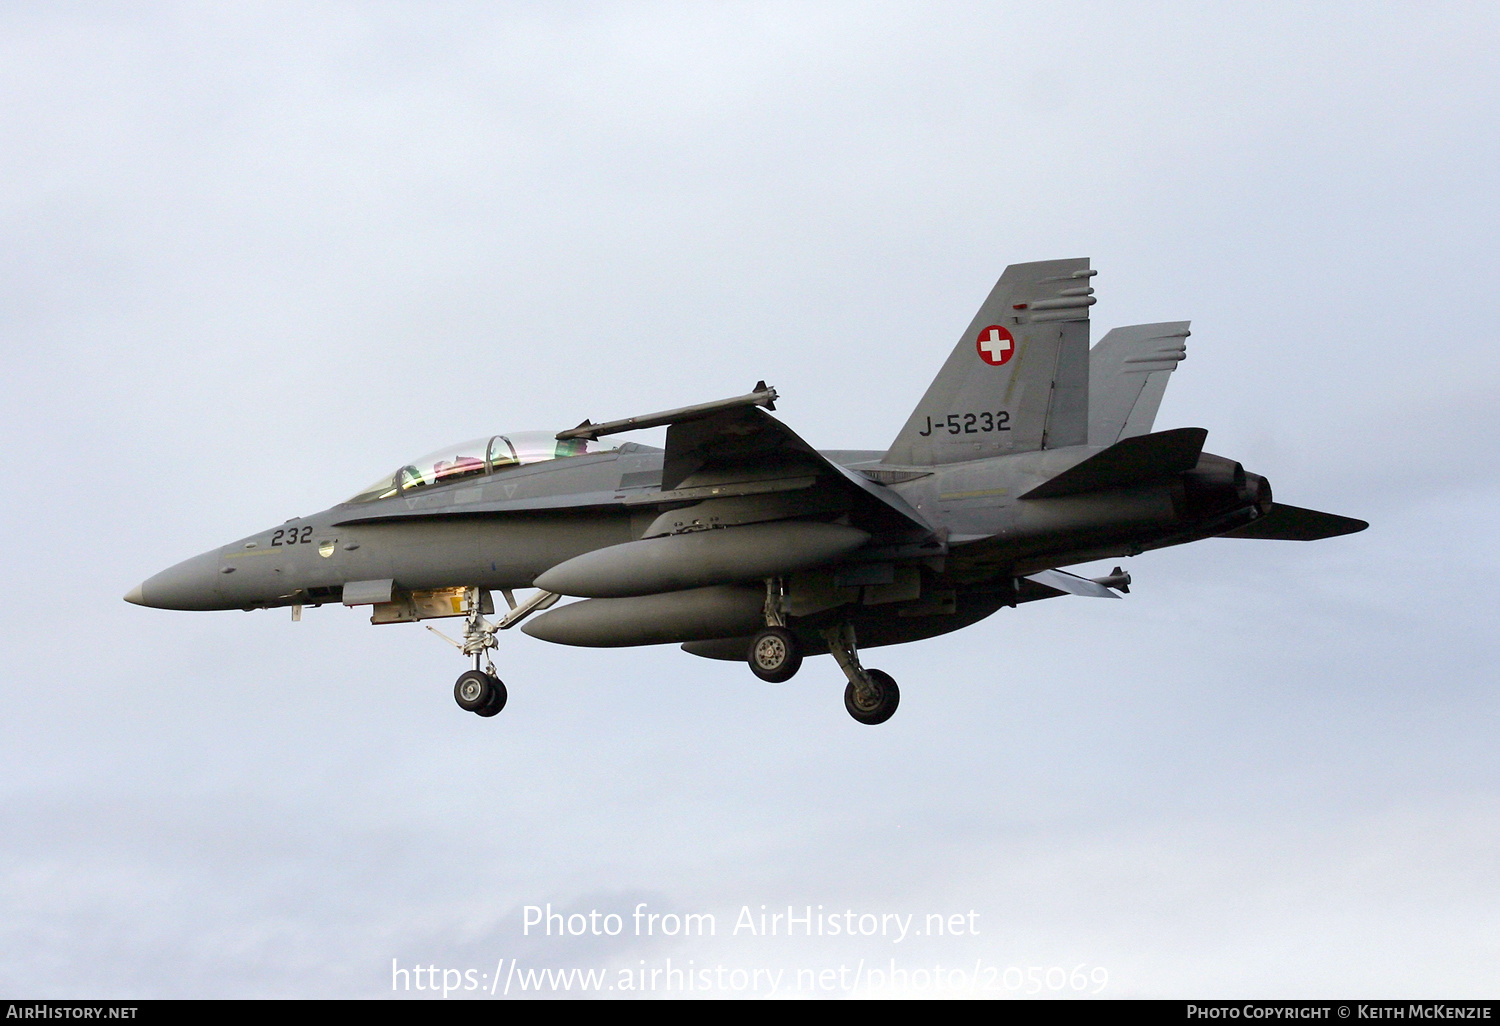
(747, 451)
(732, 448)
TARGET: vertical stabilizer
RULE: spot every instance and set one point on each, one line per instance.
(1018, 380)
(1128, 373)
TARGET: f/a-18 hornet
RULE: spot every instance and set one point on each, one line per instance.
(740, 541)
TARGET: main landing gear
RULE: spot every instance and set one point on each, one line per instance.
(872, 695)
(775, 656)
(877, 703)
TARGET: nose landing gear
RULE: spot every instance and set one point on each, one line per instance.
(481, 691)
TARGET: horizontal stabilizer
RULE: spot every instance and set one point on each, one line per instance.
(1130, 461)
(1293, 523)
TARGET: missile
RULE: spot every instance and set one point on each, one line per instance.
(702, 558)
(1118, 579)
(722, 611)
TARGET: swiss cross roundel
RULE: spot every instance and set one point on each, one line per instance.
(995, 344)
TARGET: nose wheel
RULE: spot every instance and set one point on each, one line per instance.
(480, 693)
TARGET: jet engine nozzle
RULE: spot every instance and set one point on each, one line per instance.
(1258, 493)
(1215, 486)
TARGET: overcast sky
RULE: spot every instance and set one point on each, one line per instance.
(251, 256)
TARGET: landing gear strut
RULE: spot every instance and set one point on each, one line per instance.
(872, 696)
(774, 654)
(481, 691)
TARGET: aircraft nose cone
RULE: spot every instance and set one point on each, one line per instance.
(191, 584)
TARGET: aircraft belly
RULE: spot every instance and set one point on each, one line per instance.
(872, 629)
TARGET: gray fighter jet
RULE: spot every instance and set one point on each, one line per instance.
(740, 541)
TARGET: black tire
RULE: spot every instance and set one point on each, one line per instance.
(474, 690)
(882, 704)
(498, 695)
(774, 655)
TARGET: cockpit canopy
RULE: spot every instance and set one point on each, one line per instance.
(475, 458)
